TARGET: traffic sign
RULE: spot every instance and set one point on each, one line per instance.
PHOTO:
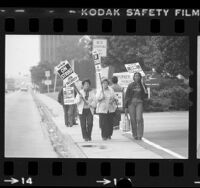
(47, 82)
(47, 74)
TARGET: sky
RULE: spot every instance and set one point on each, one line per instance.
(22, 52)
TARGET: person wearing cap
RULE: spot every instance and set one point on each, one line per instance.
(86, 103)
(134, 97)
(117, 88)
(106, 106)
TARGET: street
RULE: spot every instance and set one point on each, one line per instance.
(24, 136)
(165, 133)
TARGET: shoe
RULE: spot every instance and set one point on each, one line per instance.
(139, 138)
(109, 137)
(104, 138)
(90, 139)
(116, 127)
(86, 139)
(75, 123)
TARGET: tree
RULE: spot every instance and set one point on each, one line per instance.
(164, 53)
(175, 53)
(38, 73)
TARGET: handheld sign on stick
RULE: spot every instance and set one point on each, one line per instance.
(97, 64)
(69, 77)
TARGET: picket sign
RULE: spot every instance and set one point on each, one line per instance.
(68, 95)
(119, 96)
(97, 62)
(100, 45)
(66, 73)
(134, 67)
(69, 77)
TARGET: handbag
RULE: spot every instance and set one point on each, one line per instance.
(126, 124)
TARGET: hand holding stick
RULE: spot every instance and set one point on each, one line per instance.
(142, 82)
(79, 93)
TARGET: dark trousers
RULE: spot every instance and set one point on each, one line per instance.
(86, 120)
(136, 114)
(68, 113)
(116, 118)
(106, 124)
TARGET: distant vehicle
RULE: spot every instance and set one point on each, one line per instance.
(10, 84)
(24, 89)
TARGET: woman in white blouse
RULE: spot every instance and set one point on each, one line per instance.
(106, 106)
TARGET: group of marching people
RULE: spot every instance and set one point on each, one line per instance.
(104, 103)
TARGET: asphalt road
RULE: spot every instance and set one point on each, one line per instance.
(169, 130)
(23, 129)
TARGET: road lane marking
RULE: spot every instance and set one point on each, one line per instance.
(162, 148)
(159, 147)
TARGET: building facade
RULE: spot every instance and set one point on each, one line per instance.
(48, 46)
(52, 51)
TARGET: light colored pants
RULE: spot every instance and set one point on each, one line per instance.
(136, 114)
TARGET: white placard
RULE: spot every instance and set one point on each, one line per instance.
(96, 57)
(124, 78)
(66, 73)
(119, 96)
(100, 45)
(68, 95)
(134, 67)
(98, 68)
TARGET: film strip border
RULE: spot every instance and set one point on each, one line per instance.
(57, 25)
(141, 172)
(82, 172)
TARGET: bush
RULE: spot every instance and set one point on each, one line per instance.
(168, 98)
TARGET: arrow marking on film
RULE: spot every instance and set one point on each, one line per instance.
(12, 181)
(104, 181)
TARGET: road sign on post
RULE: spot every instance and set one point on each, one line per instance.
(47, 82)
(47, 74)
(100, 45)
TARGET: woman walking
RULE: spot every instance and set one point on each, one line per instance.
(134, 97)
(106, 107)
(86, 104)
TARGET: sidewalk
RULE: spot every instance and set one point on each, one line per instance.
(120, 146)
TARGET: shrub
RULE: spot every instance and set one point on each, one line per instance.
(168, 98)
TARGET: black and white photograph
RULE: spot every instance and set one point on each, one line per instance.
(198, 98)
(97, 96)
